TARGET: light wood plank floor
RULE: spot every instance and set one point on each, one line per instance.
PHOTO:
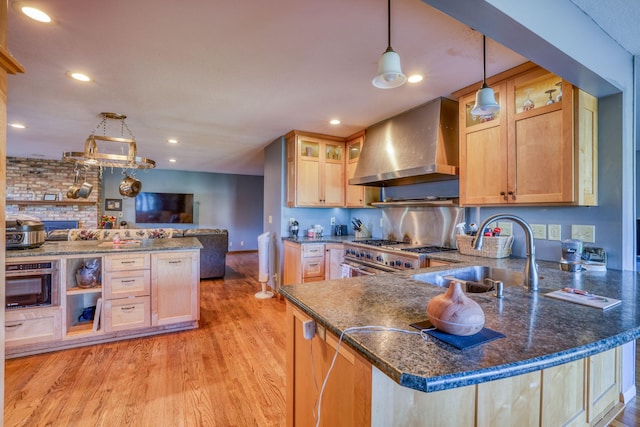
(230, 372)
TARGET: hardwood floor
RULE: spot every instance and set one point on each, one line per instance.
(230, 372)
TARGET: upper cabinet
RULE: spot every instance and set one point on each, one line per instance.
(357, 196)
(315, 170)
(540, 148)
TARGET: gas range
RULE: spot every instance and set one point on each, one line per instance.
(389, 255)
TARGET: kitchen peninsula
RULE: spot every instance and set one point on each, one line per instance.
(143, 287)
(558, 362)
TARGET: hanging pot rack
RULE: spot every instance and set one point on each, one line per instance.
(92, 157)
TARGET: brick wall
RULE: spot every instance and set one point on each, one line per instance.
(31, 179)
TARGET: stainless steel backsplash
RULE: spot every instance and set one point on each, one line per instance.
(421, 225)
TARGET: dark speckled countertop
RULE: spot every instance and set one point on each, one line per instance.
(94, 247)
(540, 332)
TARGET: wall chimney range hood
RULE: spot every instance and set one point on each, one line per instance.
(419, 145)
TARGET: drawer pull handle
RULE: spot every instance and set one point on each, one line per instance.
(127, 262)
(175, 262)
(125, 282)
(15, 325)
(129, 308)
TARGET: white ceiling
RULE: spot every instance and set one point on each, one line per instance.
(228, 77)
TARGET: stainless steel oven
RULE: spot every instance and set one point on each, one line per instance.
(372, 256)
(31, 284)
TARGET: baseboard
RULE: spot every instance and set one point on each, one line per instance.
(628, 394)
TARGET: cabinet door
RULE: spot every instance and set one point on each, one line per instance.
(604, 383)
(127, 313)
(292, 272)
(174, 287)
(346, 400)
(333, 259)
(357, 196)
(332, 180)
(483, 154)
(563, 395)
(308, 171)
(541, 139)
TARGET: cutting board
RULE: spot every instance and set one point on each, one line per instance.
(591, 300)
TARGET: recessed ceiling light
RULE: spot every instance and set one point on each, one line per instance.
(17, 125)
(172, 141)
(334, 122)
(36, 14)
(415, 78)
(81, 77)
(172, 160)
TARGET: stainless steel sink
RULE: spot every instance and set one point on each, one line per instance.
(475, 277)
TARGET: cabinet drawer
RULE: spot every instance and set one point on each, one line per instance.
(32, 326)
(122, 284)
(313, 267)
(312, 250)
(127, 313)
(130, 261)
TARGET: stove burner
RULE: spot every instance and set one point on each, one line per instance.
(427, 249)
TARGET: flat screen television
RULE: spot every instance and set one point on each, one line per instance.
(164, 208)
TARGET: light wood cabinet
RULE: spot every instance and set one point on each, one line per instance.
(30, 326)
(346, 398)
(333, 259)
(315, 170)
(357, 196)
(538, 149)
(174, 298)
(303, 262)
(127, 291)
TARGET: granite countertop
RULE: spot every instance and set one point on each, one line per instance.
(322, 239)
(540, 332)
(59, 248)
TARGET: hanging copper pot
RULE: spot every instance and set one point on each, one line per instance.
(130, 186)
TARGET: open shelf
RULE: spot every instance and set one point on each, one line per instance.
(80, 291)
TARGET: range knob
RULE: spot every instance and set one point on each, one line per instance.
(361, 254)
(369, 256)
(379, 258)
(398, 262)
(408, 265)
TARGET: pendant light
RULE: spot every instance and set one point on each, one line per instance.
(389, 72)
(485, 98)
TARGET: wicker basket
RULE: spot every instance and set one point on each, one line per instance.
(493, 247)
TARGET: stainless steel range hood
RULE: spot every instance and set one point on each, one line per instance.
(419, 145)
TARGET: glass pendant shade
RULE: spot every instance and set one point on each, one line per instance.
(485, 102)
(389, 71)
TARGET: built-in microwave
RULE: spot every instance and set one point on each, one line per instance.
(31, 284)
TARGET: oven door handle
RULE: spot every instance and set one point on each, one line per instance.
(355, 271)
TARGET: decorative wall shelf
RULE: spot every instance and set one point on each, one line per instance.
(51, 202)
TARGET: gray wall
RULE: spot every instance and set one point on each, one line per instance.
(232, 202)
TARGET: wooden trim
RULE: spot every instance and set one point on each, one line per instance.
(315, 135)
(512, 72)
(9, 63)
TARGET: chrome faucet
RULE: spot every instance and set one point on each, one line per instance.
(530, 267)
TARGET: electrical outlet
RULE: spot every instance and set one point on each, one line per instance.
(586, 233)
(120, 215)
(555, 232)
(270, 219)
(539, 231)
(506, 228)
(333, 220)
(230, 244)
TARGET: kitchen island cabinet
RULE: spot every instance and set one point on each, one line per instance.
(540, 148)
(558, 364)
(155, 274)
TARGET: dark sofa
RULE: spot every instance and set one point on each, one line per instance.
(213, 255)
